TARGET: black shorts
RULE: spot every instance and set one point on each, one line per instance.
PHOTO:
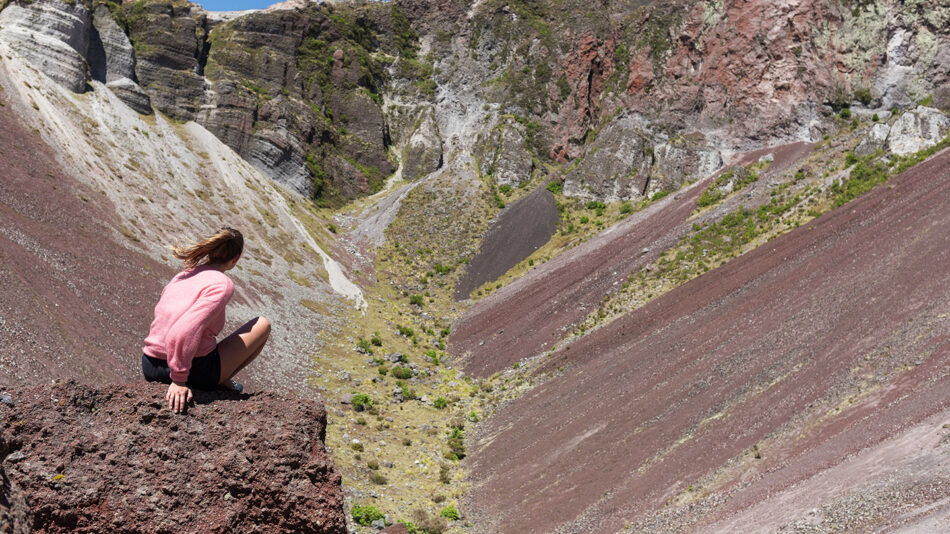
(205, 371)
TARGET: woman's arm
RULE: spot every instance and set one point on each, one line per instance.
(184, 335)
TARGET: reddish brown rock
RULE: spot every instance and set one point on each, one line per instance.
(116, 459)
(711, 408)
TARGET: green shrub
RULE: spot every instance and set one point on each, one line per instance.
(376, 341)
(473, 416)
(658, 195)
(440, 403)
(405, 331)
(361, 401)
(450, 513)
(444, 332)
(364, 515)
(383, 370)
(456, 443)
(626, 208)
(863, 95)
(850, 159)
(378, 479)
(584, 220)
(364, 345)
(401, 372)
(445, 475)
(418, 300)
(441, 269)
(555, 187)
(505, 189)
(845, 113)
(593, 205)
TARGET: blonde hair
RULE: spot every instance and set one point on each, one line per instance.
(217, 249)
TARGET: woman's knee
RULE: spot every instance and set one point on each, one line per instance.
(263, 326)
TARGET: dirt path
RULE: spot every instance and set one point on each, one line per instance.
(828, 340)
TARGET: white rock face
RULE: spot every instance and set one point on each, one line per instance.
(277, 154)
(423, 152)
(874, 140)
(674, 165)
(917, 130)
(52, 36)
(513, 164)
(111, 56)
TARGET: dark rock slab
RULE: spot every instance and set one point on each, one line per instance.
(521, 229)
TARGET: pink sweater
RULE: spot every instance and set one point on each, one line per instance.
(188, 316)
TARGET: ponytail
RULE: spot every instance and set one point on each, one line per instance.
(217, 249)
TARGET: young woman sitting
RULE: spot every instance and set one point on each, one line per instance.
(180, 349)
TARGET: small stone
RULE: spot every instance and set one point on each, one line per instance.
(346, 399)
(379, 524)
(6, 399)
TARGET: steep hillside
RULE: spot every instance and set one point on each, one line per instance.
(552, 265)
(737, 392)
(137, 184)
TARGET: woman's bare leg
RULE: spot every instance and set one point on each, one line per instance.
(241, 347)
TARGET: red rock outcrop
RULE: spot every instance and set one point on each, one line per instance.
(116, 459)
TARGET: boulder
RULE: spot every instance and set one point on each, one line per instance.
(53, 36)
(681, 161)
(874, 140)
(616, 166)
(116, 459)
(916, 130)
(131, 94)
(423, 152)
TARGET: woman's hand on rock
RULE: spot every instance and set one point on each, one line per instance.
(178, 396)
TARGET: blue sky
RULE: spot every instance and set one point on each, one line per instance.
(234, 5)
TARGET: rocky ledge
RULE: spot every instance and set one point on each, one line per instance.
(116, 459)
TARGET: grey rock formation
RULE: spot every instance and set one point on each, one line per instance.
(112, 61)
(505, 154)
(874, 141)
(423, 152)
(616, 166)
(51, 35)
(111, 56)
(169, 61)
(676, 163)
(916, 130)
(132, 95)
(276, 152)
